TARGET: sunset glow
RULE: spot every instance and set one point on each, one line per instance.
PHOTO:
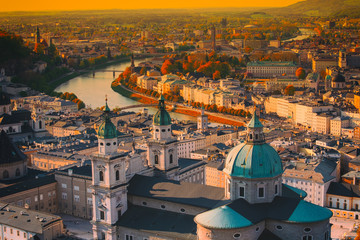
(41, 5)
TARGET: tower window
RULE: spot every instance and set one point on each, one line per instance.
(261, 193)
(157, 130)
(40, 124)
(108, 144)
(5, 174)
(117, 175)
(102, 215)
(250, 136)
(163, 130)
(242, 192)
(101, 176)
(171, 158)
(307, 237)
(276, 189)
(256, 136)
(114, 143)
(156, 159)
(101, 144)
(17, 172)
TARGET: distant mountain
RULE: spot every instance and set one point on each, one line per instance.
(335, 8)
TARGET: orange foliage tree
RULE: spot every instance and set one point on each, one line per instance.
(300, 73)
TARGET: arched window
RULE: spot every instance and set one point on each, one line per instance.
(345, 206)
(356, 206)
(5, 174)
(171, 158)
(17, 172)
(250, 136)
(337, 205)
(117, 175)
(256, 136)
(40, 124)
(307, 237)
(4, 110)
(101, 176)
(276, 189)
(156, 159)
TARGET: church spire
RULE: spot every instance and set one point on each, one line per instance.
(255, 133)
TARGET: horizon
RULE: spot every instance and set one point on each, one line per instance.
(91, 5)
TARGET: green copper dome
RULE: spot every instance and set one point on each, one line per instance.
(328, 77)
(253, 161)
(254, 158)
(107, 129)
(162, 117)
(222, 217)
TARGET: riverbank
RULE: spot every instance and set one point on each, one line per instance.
(213, 117)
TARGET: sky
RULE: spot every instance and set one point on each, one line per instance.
(44, 5)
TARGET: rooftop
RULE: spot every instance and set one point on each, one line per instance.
(174, 191)
(24, 219)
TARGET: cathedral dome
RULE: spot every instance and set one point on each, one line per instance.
(162, 117)
(338, 78)
(254, 158)
(107, 129)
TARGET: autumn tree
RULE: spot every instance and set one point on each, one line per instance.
(216, 75)
(300, 73)
(289, 90)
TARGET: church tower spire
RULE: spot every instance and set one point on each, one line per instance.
(162, 149)
(108, 181)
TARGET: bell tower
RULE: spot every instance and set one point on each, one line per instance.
(202, 121)
(162, 149)
(108, 181)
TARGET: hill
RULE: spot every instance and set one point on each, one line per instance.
(333, 8)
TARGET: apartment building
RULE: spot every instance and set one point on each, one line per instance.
(314, 178)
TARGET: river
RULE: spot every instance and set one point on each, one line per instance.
(92, 90)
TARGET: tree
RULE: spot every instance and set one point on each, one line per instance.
(300, 73)
(289, 90)
(216, 75)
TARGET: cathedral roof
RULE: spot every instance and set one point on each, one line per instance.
(240, 213)
(174, 191)
(162, 117)
(169, 225)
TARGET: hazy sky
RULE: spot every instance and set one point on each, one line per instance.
(40, 5)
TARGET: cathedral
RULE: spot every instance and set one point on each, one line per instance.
(254, 204)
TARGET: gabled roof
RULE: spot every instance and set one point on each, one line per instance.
(343, 189)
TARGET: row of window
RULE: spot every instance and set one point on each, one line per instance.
(6, 173)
